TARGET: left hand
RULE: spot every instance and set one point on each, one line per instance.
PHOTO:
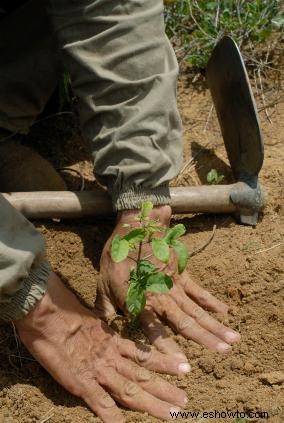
(183, 307)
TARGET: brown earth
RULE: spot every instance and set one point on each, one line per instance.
(242, 265)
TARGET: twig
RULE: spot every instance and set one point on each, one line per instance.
(46, 419)
(208, 118)
(217, 15)
(48, 416)
(268, 249)
(198, 250)
(191, 160)
(263, 96)
(274, 103)
(23, 358)
(197, 24)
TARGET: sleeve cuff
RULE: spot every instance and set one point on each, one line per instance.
(129, 198)
(26, 299)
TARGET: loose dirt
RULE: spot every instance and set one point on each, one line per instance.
(242, 265)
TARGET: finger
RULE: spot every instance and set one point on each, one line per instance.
(148, 357)
(101, 403)
(104, 307)
(157, 335)
(185, 325)
(201, 296)
(153, 384)
(203, 318)
(131, 395)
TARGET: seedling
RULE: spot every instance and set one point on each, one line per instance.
(145, 276)
(213, 177)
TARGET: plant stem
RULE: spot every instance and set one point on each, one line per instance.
(139, 258)
(139, 253)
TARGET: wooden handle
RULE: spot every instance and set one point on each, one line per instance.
(68, 204)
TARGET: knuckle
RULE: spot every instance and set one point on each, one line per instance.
(142, 375)
(105, 401)
(198, 313)
(143, 354)
(102, 371)
(185, 323)
(130, 390)
(204, 297)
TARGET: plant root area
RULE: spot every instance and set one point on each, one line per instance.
(242, 265)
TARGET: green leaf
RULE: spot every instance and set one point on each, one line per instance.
(160, 249)
(159, 283)
(174, 232)
(213, 177)
(153, 226)
(119, 249)
(146, 208)
(135, 236)
(145, 268)
(182, 254)
(135, 299)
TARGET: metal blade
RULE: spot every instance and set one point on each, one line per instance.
(236, 110)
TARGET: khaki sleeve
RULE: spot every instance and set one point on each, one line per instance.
(24, 269)
(124, 73)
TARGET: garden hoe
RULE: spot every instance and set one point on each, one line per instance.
(237, 115)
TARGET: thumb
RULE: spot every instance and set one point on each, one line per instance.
(104, 308)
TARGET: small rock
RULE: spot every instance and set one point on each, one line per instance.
(272, 378)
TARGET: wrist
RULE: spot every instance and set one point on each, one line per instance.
(49, 308)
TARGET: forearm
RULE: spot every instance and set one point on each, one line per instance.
(24, 269)
(124, 72)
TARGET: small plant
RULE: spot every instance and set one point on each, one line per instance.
(145, 276)
(213, 177)
(195, 26)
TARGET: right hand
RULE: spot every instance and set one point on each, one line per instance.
(91, 361)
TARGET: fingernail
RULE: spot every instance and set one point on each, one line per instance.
(184, 368)
(232, 336)
(223, 348)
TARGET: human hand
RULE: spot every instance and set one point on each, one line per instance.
(184, 307)
(92, 362)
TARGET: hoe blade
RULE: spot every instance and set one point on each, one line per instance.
(236, 110)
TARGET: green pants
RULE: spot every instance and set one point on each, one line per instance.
(123, 72)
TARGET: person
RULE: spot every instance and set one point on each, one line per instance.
(123, 72)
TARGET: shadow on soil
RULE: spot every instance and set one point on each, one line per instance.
(206, 159)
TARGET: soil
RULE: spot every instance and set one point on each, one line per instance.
(242, 265)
